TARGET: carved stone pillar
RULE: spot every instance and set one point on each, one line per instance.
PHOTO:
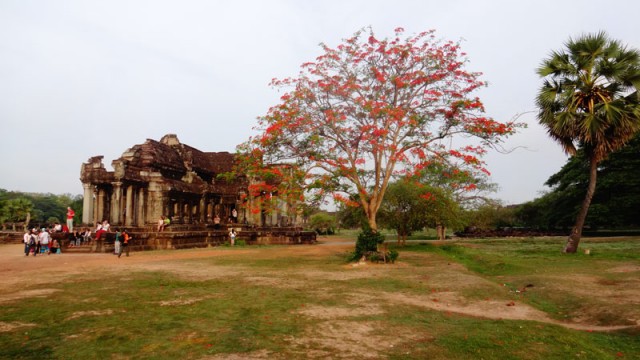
(100, 206)
(141, 213)
(87, 204)
(116, 201)
(203, 210)
(129, 215)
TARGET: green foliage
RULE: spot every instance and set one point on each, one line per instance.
(18, 209)
(615, 202)
(323, 223)
(590, 101)
(43, 206)
(368, 241)
(393, 256)
(410, 207)
(351, 217)
(404, 208)
(491, 216)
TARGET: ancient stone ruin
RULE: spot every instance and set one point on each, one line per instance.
(168, 178)
(160, 178)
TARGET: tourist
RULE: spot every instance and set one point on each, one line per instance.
(161, 224)
(33, 242)
(57, 227)
(167, 222)
(234, 215)
(232, 236)
(34, 233)
(55, 247)
(26, 239)
(70, 215)
(44, 239)
(125, 242)
(117, 243)
(86, 236)
(216, 222)
(101, 229)
(77, 237)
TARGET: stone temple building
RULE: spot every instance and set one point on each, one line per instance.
(163, 178)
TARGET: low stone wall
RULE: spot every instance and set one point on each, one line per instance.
(181, 238)
(143, 241)
(11, 237)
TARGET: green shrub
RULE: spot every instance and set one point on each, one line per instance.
(368, 241)
(392, 256)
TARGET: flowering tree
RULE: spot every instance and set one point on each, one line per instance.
(371, 109)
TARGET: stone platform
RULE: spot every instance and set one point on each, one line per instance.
(182, 237)
(194, 236)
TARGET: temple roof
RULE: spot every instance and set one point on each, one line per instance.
(168, 157)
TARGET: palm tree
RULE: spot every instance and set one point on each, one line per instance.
(589, 100)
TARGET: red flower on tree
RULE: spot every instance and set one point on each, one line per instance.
(371, 109)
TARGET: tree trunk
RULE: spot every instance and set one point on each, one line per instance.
(576, 233)
(27, 221)
(440, 232)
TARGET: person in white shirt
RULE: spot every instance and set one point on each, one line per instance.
(44, 238)
(25, 239)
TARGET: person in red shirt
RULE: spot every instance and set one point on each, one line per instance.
(70, 215)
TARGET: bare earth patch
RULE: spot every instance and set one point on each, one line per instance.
(346, 339)
(79, 314)
(179, 302)
(26, 294)
(10, 326)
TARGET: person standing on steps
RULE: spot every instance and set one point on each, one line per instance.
(70, 215)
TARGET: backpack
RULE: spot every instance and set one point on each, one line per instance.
(32, 240)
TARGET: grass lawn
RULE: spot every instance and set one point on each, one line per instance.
(468, 299)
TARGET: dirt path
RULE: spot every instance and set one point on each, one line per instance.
(13, 264)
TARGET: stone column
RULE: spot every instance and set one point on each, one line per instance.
(87, 204)
(203, 210)
(156, 205)
(116, 197)
(129, 214)
(140, 218)
(99, 214)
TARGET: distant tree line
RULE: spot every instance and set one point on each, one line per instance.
(19, 209)
(615, 204)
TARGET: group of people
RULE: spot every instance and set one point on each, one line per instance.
(40, 242)
(122, 242)
(122, 237)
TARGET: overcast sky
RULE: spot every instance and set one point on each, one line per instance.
(85, 78)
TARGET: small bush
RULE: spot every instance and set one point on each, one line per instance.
(368, 241)
(392, 256)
